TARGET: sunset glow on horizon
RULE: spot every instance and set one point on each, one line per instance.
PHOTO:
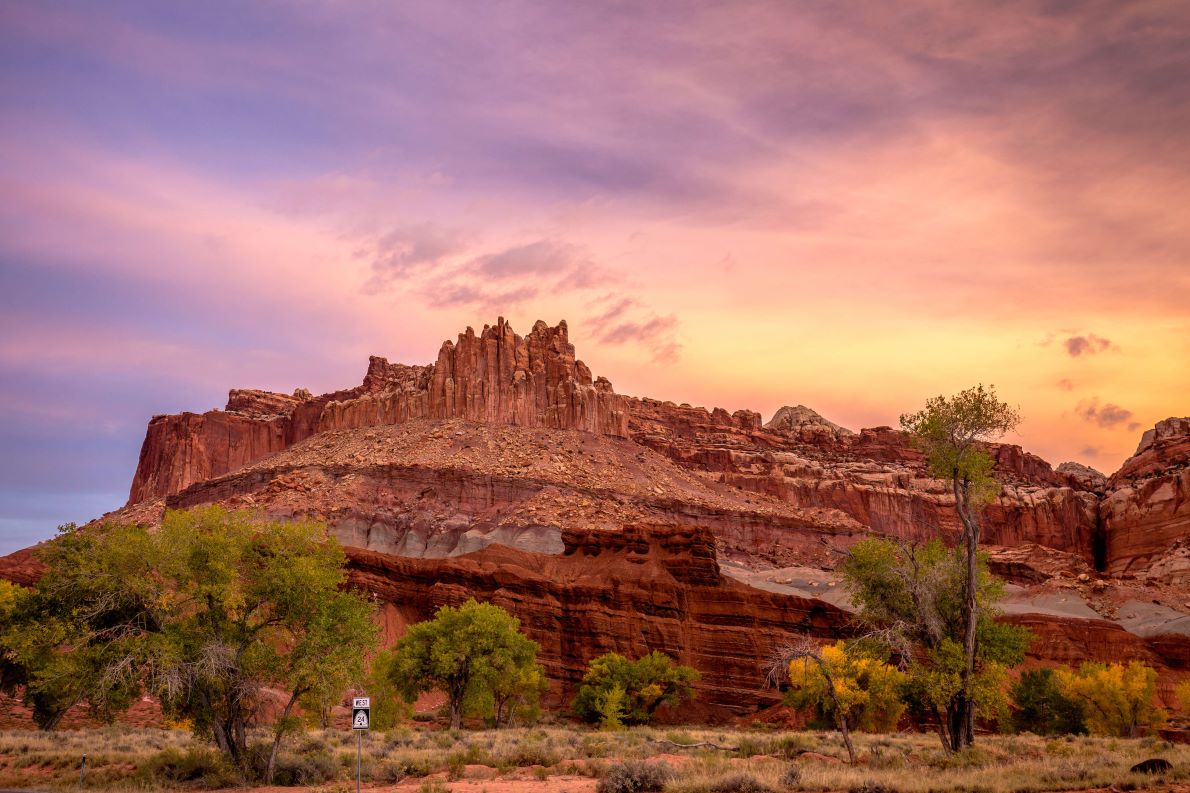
(849, 206)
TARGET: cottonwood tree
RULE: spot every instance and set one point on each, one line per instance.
(1117, 699)
(616, 690)
(792, 664)
(204, 613)
(953, 433)
(466, 652)
(911, 598)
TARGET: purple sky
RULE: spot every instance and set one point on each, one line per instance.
(848, 205)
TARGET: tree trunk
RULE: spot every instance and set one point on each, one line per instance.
(962, 730)
(840, 716)
(958, 716)
(218, 728)
(457, 690)
(943, 733)
(278, 734)
(841, 721)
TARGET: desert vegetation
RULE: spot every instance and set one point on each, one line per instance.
(423, 757)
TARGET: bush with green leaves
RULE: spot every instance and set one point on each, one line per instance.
(476, 654)
(617, 691)
(1042, 707)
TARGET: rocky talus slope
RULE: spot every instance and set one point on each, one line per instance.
(505, 470)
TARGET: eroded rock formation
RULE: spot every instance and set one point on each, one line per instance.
(495, 376)
(506, 471)
(1146, 514)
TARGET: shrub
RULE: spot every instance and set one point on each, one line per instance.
(411, 766)
(635, 777)
(791, 777)
(299, 770)
(171, 767)
(1043, 708)
(615, 690)
(790, 746)
(747, 746)
(529, 752)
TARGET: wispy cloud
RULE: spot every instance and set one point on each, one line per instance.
(626, 321)
(1107, 415)
(409, 249)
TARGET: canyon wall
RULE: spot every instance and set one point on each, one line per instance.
(1146, 514)
(872, 479)
(506, 471)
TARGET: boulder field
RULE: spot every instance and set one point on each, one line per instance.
(506, 471)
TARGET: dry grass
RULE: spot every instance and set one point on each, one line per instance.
(52, 759)
(130, 758)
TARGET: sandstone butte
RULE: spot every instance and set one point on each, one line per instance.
(505, 471)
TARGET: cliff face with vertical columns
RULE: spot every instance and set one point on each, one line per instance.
(495, 376)
(1134, 521)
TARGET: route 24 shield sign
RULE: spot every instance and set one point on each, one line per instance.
(361, 713)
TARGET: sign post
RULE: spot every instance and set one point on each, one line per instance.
(361, 718)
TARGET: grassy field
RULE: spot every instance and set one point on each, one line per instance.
(569, 759)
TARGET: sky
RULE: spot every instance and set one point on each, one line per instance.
(848, 205)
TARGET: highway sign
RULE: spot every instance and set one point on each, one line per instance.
(361, 713)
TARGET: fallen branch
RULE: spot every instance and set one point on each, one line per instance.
(701, 745)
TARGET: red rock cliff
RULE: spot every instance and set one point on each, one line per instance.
(495, 376)
(1146, 514)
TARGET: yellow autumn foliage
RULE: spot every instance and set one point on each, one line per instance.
(867, 690)
(1182, 692)
(1117, 699)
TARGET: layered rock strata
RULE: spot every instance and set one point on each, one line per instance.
(495, 376)
(1133, 523)
(505, 470)
(874, 477)
(1146, 513)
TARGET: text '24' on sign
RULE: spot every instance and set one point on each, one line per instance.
(361, 708)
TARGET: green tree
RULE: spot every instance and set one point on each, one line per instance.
(1117, 699)
(517, 693)
(203, 613)
(912, 598)
(647, 683)
(467, 652)
(1042, 707)
(952, 433)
